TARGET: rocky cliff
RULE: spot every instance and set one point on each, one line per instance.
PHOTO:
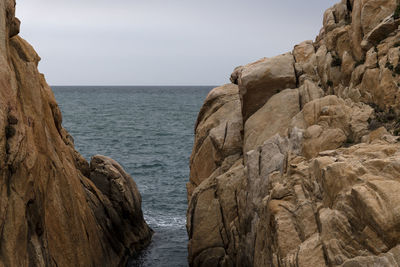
(297, 161)
(56, 209)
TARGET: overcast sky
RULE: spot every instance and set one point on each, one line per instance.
(161, 42)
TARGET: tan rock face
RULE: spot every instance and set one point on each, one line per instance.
(318, 181)
(374, 11)
(380, 32)
(329, 122)
(213, 219)
(218, 138)
(51, 213)
(274, 117)
(260, 80)
(124, 205)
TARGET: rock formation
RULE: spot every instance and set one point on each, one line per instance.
(297, 162)
(55, 208)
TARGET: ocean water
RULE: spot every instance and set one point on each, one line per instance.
(149, 131)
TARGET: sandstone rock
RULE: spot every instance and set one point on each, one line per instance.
(374, 11)
(338, 40)
(308, 92)
(14, 29)
(377, 201)
(118, 186)
(306, 61)
(211, 182)
(311, 252)
(356, 29)
(262, 79)
(380, 32)
(371, 60)
(274, 117)
(217, 133)
(52, 214)
(330, 122)
(348, 65)
(391, 258)
(236, 74)
(366, 15)
(213, 219)
(375, 135)
(304, 51)
(329, 21)
(322, 189)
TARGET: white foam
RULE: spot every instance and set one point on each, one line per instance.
(166, 221)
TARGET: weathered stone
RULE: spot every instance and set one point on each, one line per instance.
(236, 74)
(308, 92)
(375, 11)
(348, 65)
(14, 29)
(274, 117)
(380, 32)
(260, 80)
(330, 122)
(51, 213)
(217, 136)
(322, 189)
(213, 228)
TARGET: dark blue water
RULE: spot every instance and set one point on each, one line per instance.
(149, 131)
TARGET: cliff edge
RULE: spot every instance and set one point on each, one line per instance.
(297, 161)
(56, 209)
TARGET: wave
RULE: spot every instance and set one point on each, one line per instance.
(166, 221)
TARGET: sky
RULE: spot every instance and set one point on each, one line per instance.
(161, 42)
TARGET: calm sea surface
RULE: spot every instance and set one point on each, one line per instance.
(149, 131)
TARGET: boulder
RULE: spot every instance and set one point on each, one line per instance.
(213, 221)
(218, 137)
(236, 74)
(274, 117)
(380, 32)
(118, 186)
(305, 58)
(375, 11)
(308, 92)
(260, 80)
(14, 29)
(330, 122)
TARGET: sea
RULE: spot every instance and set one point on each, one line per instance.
(149, 130)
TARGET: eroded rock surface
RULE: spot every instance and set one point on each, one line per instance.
(218, 142)
(260, 80)
(55, 209)
(317, 182)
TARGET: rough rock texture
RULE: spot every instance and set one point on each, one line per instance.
(260, 80)
(318, 179)
(274, 117)
(218, 142)
(55, 209)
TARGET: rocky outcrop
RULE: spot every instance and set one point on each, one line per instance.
(260, 80)
(218, 142)
(317, 181)
(55, 208)
(274, 117)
